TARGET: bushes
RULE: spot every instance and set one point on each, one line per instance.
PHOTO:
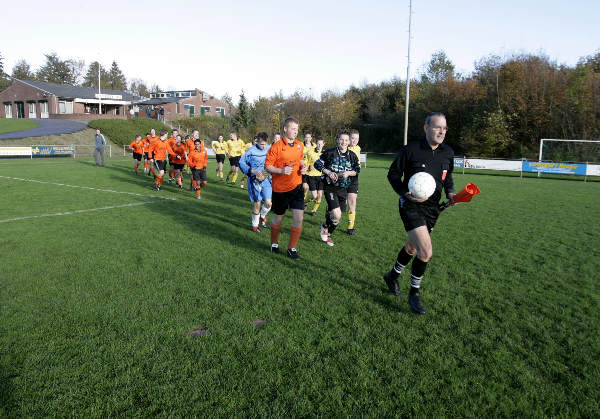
(209, 126)
(123, 131)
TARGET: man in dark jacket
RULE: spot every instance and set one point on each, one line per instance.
(420, 215)
(100, 143)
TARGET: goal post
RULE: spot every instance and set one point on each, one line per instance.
(571, 156)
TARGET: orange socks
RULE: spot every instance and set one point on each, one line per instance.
(294, 237)
(275, 233)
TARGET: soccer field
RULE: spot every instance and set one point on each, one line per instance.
(102, 277)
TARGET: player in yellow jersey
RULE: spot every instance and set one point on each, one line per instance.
(315, 183)
(353, 189)
(308, 145)
(220, 149)
(235, 149)
(246, 147)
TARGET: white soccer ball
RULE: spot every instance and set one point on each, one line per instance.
(421, 185)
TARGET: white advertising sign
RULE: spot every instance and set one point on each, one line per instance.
(512, 165)
(593, 170)
(15, 151)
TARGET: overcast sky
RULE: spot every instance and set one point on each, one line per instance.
(269, 46)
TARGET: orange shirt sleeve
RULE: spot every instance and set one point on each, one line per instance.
(272, 156)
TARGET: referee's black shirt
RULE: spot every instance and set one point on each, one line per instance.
(417, 156)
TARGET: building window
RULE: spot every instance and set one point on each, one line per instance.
(220, 110)
(65, 106)
(8, 110)
(44, 110)
(32, 110)
(204, 110)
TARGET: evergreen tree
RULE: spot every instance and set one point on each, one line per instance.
(91, 77)
(4, 81)
(116, 79)
(22, 71)
(244, 117)
(56, 70)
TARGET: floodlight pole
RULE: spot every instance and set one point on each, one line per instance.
(99, 97)
(407, 75)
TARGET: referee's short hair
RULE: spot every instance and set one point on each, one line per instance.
(431, 115)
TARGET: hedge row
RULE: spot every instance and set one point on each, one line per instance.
(123, 131)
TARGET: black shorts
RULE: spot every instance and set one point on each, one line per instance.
(161, 164)
(234, 161)
(336, 197)
(353, 188)
(293, 199)
(304, 179)
(137, 156)
(220, 158)
(199, 175)
(146, 156)
(178, 166)
(315, 183)
(416, 215)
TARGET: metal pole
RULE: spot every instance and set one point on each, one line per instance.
(407, 75)
(540, 156)
(99, 93)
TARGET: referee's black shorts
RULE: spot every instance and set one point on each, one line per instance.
(336, 197)
(293, 199)
(416, 215)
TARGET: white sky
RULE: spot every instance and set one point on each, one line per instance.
(269, 46)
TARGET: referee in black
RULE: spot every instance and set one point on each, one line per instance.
(430, 155)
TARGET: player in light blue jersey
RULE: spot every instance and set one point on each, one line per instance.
(260, 190)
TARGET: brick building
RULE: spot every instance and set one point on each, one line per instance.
(180, 103)
(36, 99)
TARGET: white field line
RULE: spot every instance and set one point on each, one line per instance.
(74, 212)
(88, 188)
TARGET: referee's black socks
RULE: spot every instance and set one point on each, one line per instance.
(417, 272)
(401, 262)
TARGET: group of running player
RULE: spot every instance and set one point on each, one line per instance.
(281, 175)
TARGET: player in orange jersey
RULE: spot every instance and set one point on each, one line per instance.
(178, 160)
(151, 141)
(146, 143)
(172, 140)
(284, 162)
(159, 151)
(197, 161)
(137, 146)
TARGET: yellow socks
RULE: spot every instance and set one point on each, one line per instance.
(351, 217)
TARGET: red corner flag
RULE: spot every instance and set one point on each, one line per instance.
(467, 193)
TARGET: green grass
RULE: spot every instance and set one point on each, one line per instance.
(95, 306)
(123, 131)
(11, 125)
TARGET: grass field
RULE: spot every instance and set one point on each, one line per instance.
(11, 125)
(99, 293)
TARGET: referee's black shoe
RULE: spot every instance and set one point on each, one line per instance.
(392, 284)
(416, 303)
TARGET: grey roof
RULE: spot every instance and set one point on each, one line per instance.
(65, 91)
